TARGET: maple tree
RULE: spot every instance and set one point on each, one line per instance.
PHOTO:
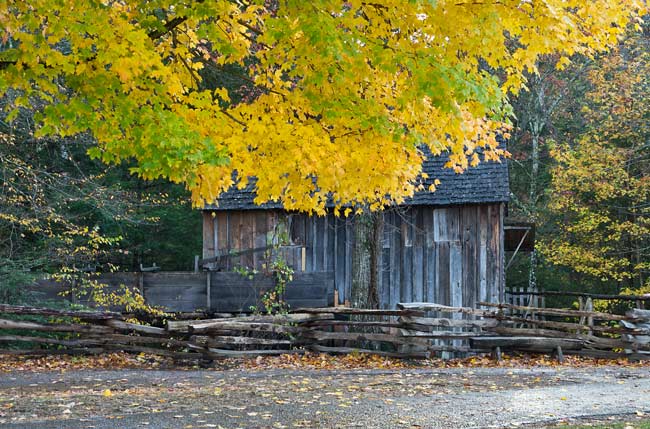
(334, 98)
(601, 186)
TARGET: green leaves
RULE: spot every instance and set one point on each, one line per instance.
(170, 84)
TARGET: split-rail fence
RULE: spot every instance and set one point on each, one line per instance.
(413, 330)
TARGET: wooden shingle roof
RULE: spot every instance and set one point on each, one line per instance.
(485, 183)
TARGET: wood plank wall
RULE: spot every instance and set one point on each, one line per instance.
(232, 231)
(190, 291)
(448, 255)
(452, 256)
(329, 243)
(327, 240)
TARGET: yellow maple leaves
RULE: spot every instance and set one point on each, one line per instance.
(320, 101)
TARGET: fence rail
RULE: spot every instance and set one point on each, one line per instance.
(537, 298)
(414, 330)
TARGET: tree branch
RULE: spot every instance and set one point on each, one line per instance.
(169, 26)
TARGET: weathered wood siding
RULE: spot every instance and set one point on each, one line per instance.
(212, 291)
(327, 241)
(448, 255)
(225, 232)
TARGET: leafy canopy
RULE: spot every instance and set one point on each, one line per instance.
(333, 97)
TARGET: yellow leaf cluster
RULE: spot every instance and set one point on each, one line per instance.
(316, 100)
(601, 186)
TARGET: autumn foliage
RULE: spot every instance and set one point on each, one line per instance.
(316, 99)
(601, 184)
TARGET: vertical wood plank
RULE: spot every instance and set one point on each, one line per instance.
(379, 249)
(395, 260)
(419, 263)
(247, 237)
(406, 261)
(270, 227)
(316, 244)
(456, 280)
(349, 246)
(456, 274)
(221, 232)
(215, 234)
(469, 221)
(321, 244)
(208, 235)
(428, 226)
(339, 267)
(431, 275)
(492, 254)
(297, 233)
(328, 244)
(442, 290)
(259, 238)
(483, 238)
(234, 237)
(208, 290)
(502, 254)
(430, 255)
(309, 243)
(385, 285)
(453, 223)
(326, 241)
(439, 225)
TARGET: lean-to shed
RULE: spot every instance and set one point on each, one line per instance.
(445, 246)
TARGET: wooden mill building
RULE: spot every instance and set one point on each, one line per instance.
(445, 246)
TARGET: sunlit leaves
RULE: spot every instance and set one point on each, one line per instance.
(601, 187)
(339, 95)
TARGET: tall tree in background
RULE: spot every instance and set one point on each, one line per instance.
(544, 112)
(600, 190)
(340, 94)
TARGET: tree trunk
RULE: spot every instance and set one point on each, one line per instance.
(375, 246)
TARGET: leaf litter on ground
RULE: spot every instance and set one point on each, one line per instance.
(307, 361)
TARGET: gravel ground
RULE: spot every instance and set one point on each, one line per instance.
(431, 398)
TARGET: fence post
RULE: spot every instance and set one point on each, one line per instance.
(141, 283)
(208, 291)
(589, 306)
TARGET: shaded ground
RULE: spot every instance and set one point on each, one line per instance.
(411, 398)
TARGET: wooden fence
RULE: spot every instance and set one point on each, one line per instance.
(414, 330)
(537, 298)
(211, 291)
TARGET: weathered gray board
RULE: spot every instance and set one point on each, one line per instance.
(176, 290)
(327, 241)
(50, 290)
(233, 292)
(448, 255)
(188, 291)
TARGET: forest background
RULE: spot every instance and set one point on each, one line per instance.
(579, 169)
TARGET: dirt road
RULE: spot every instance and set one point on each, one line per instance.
(431, 398)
